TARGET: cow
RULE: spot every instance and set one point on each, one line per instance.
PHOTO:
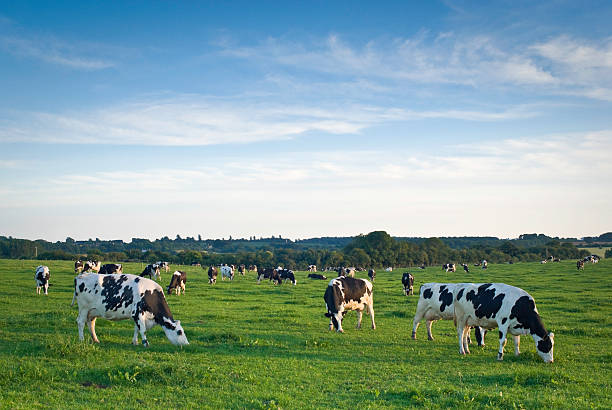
(92, 266)
(78, 266)
(252, 268)
(42, 279)
(151, 270)
(484, 264)
(435, 303)
(449, 267)
(346, 293)
(118, 297)
(543, 261)
(111, 268)
(312, 268)
(287, 274)
(389, 269)
(316, 276)
(465, 267)
(510, 309)
(241, 269)
(408, 282)
(227, 271)
(177, 282)
(557, 260)
(372, 274)
(212, 275)
(268, 273)
(579, 265)
(163, 265)
(346, 272)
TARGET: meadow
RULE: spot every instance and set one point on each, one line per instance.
(266, 346)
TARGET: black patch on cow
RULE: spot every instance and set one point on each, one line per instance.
(446, 298)
(501, 335)
(485, 303)
(137, 280)
(427, 294)
(113, 296)
(504, 320)
(353, 288)
(526, 316)
(460, 294)
(545, 345)
(81, 286)
(154, 302)
(179, 332)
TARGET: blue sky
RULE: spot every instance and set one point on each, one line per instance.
(440, 118)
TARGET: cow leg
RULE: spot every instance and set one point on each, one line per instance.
(135, 338)
(466, 339)
(142, 328)
(502, 343)
(81, 319)
(46, 289)
(415, 323)
(428, 326)
(91, 323)
(517, 342)
(460, 336)
(371, 310)
(359, 316)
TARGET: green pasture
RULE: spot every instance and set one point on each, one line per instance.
(266, 346)
(597, 251)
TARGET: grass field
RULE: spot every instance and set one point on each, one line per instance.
(598, 251)
(261, 346)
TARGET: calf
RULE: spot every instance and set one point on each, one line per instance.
(287, 274)
(151, 271)
(449, 267)
(371, 274)
(435, 303)
(111, 268)
(510, 309)
(212, 275)
(118, 297)
(408, 282)
(42, 279)
(78, 266)
(177, 282)
(344, 294)
(92, 266)
(316, 276)
(227, 271)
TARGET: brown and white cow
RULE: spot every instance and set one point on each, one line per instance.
(580, 265)
(111, 268)
(118, 297)
(42, 279)
(212, 275)
(177, 282)
(92, 266)
(510, 309)
(78, 266)
(241, 269)
(345, 293)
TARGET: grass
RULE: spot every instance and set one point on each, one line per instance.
(597, 251)
(261, 346)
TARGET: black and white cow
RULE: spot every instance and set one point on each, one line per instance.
(212, 275)
(510, 309)
(345, 293)
(252, 268)
(118, 297)
(317, 276)
(287, 274)
(227, 271)
(484, 264)
(465, 267)
(42, 279)
(312, 268)
(371, 274)
(435, 303)
(151, 271)
(408, 282)
(177, 282)
(346, 272)
(163, 265)
(579, 265)
(241, 269)
(92, 266)
(111, 268)
(78, 266)
(449, 267)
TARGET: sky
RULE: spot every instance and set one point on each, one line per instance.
(304, 119)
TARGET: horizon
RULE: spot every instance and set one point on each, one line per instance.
(309, 119)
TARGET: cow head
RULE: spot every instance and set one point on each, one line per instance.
(174, 332)
(545, 346)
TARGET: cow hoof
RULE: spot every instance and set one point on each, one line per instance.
(414, 335)
(429, 338)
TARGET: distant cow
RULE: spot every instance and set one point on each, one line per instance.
(151, 271)
(312, 268)
(579, 265)
(177, 282)
(287, 274)
(484, 264)
(510, 309)
(269, 273)
(118, 297)
(408, 282)
(346, 272)
(227, 271)
(92, 266)
(241, 269)
(78, 266)
(252, 268)
(465, 268)
(42, 279)
(449, 267)
(346, 293)
(163, 265)
(212, 275)
(316, 276)
(435, 303)
(389, 269)
(371, 274)
(111, 268)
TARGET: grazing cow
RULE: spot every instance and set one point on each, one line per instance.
(510, 309)
(465, 267)
(92, 266)
(312, 268)
(177, 282)
(212, 275)
(252, 268)
(580, 265)
(449, 267)
(389, 269)
(408, 282)
(287, 274)
(111, 268)
(551, 258)
(78, 266)
(42, 279)
(316, 276)
(484, 264)
(435, 303)
(151, 271)
(371, 274)
(227, 271)
(346, 272)
(163, 265)
(241, 269)
(344, 294)
(118, 297)
(269, 273)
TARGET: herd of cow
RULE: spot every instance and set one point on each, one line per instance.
(105, 291)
